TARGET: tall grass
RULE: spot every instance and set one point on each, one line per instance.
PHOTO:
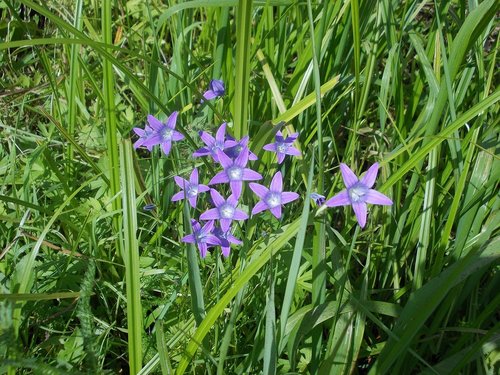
(91, 282)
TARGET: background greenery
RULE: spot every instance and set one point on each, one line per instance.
(90, 282)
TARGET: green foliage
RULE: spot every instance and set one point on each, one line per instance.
(90, 282)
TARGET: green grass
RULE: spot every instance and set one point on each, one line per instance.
(90, 282)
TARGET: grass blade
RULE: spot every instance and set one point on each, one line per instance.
(242, 70)
(131, 258)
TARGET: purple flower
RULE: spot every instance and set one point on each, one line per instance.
(234, 151)
(358, 192)
(272, 198)
(191, 188)
(283, 146)
(235, 172)
(225, 210)
(163, 134)
(143, 134)
(202, 236)
(214, 145)
(215, 89)
(226, 239)
(318, 198)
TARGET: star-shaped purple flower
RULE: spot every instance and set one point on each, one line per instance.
(143, 134)
(191, 188)
(235, 172)
(272, 198)
(226, 239)
(202, 236)
(163, 134)
(215, 89)
(225, 210)
(234, 151)
(359, 193)
(283, 146)
(214, 145)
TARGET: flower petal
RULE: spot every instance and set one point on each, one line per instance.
(226, 250)
(233, 239)
(178, 196)
(369, 178)
(221, 133)
(260, 206)
(209, 95)
(276, 211)
(181, 182)
(270, 147)
(240, 215)
(219, 178)
(236, 188)
(140, 132)
(208, 227)
(375, 197)
(224, 160)
(188, 239)
(340, 199)
(193, 177)
(193, 200)
(292, 151)
(207, 139)
(201, 152)
(217, 198)
(217, 86)
(259, 190)
(212, 239)
(202, 188)
(203, 249)
(252, 156)
(249, 175)
(288, 197)
(155, 123)
(177, 136)
(277, 183)
(166, 146)
(360, 211)
(281, 157)
(225, 224)
(211, 214)
(348, 175)
(242, 159)
(172, 119)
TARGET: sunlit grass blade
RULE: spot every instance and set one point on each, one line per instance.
(110, 111)
(242, 69)
(131, 258)
(74, 73)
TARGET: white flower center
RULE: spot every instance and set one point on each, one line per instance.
(226, 211)
(273, 200)
(167, 134)
(200, 236)
(192, 191)
(281, 147)
(235, 173)
(357, 193)
(238, 148)
(217, 147)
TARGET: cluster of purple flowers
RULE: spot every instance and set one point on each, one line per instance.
(233, 156)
